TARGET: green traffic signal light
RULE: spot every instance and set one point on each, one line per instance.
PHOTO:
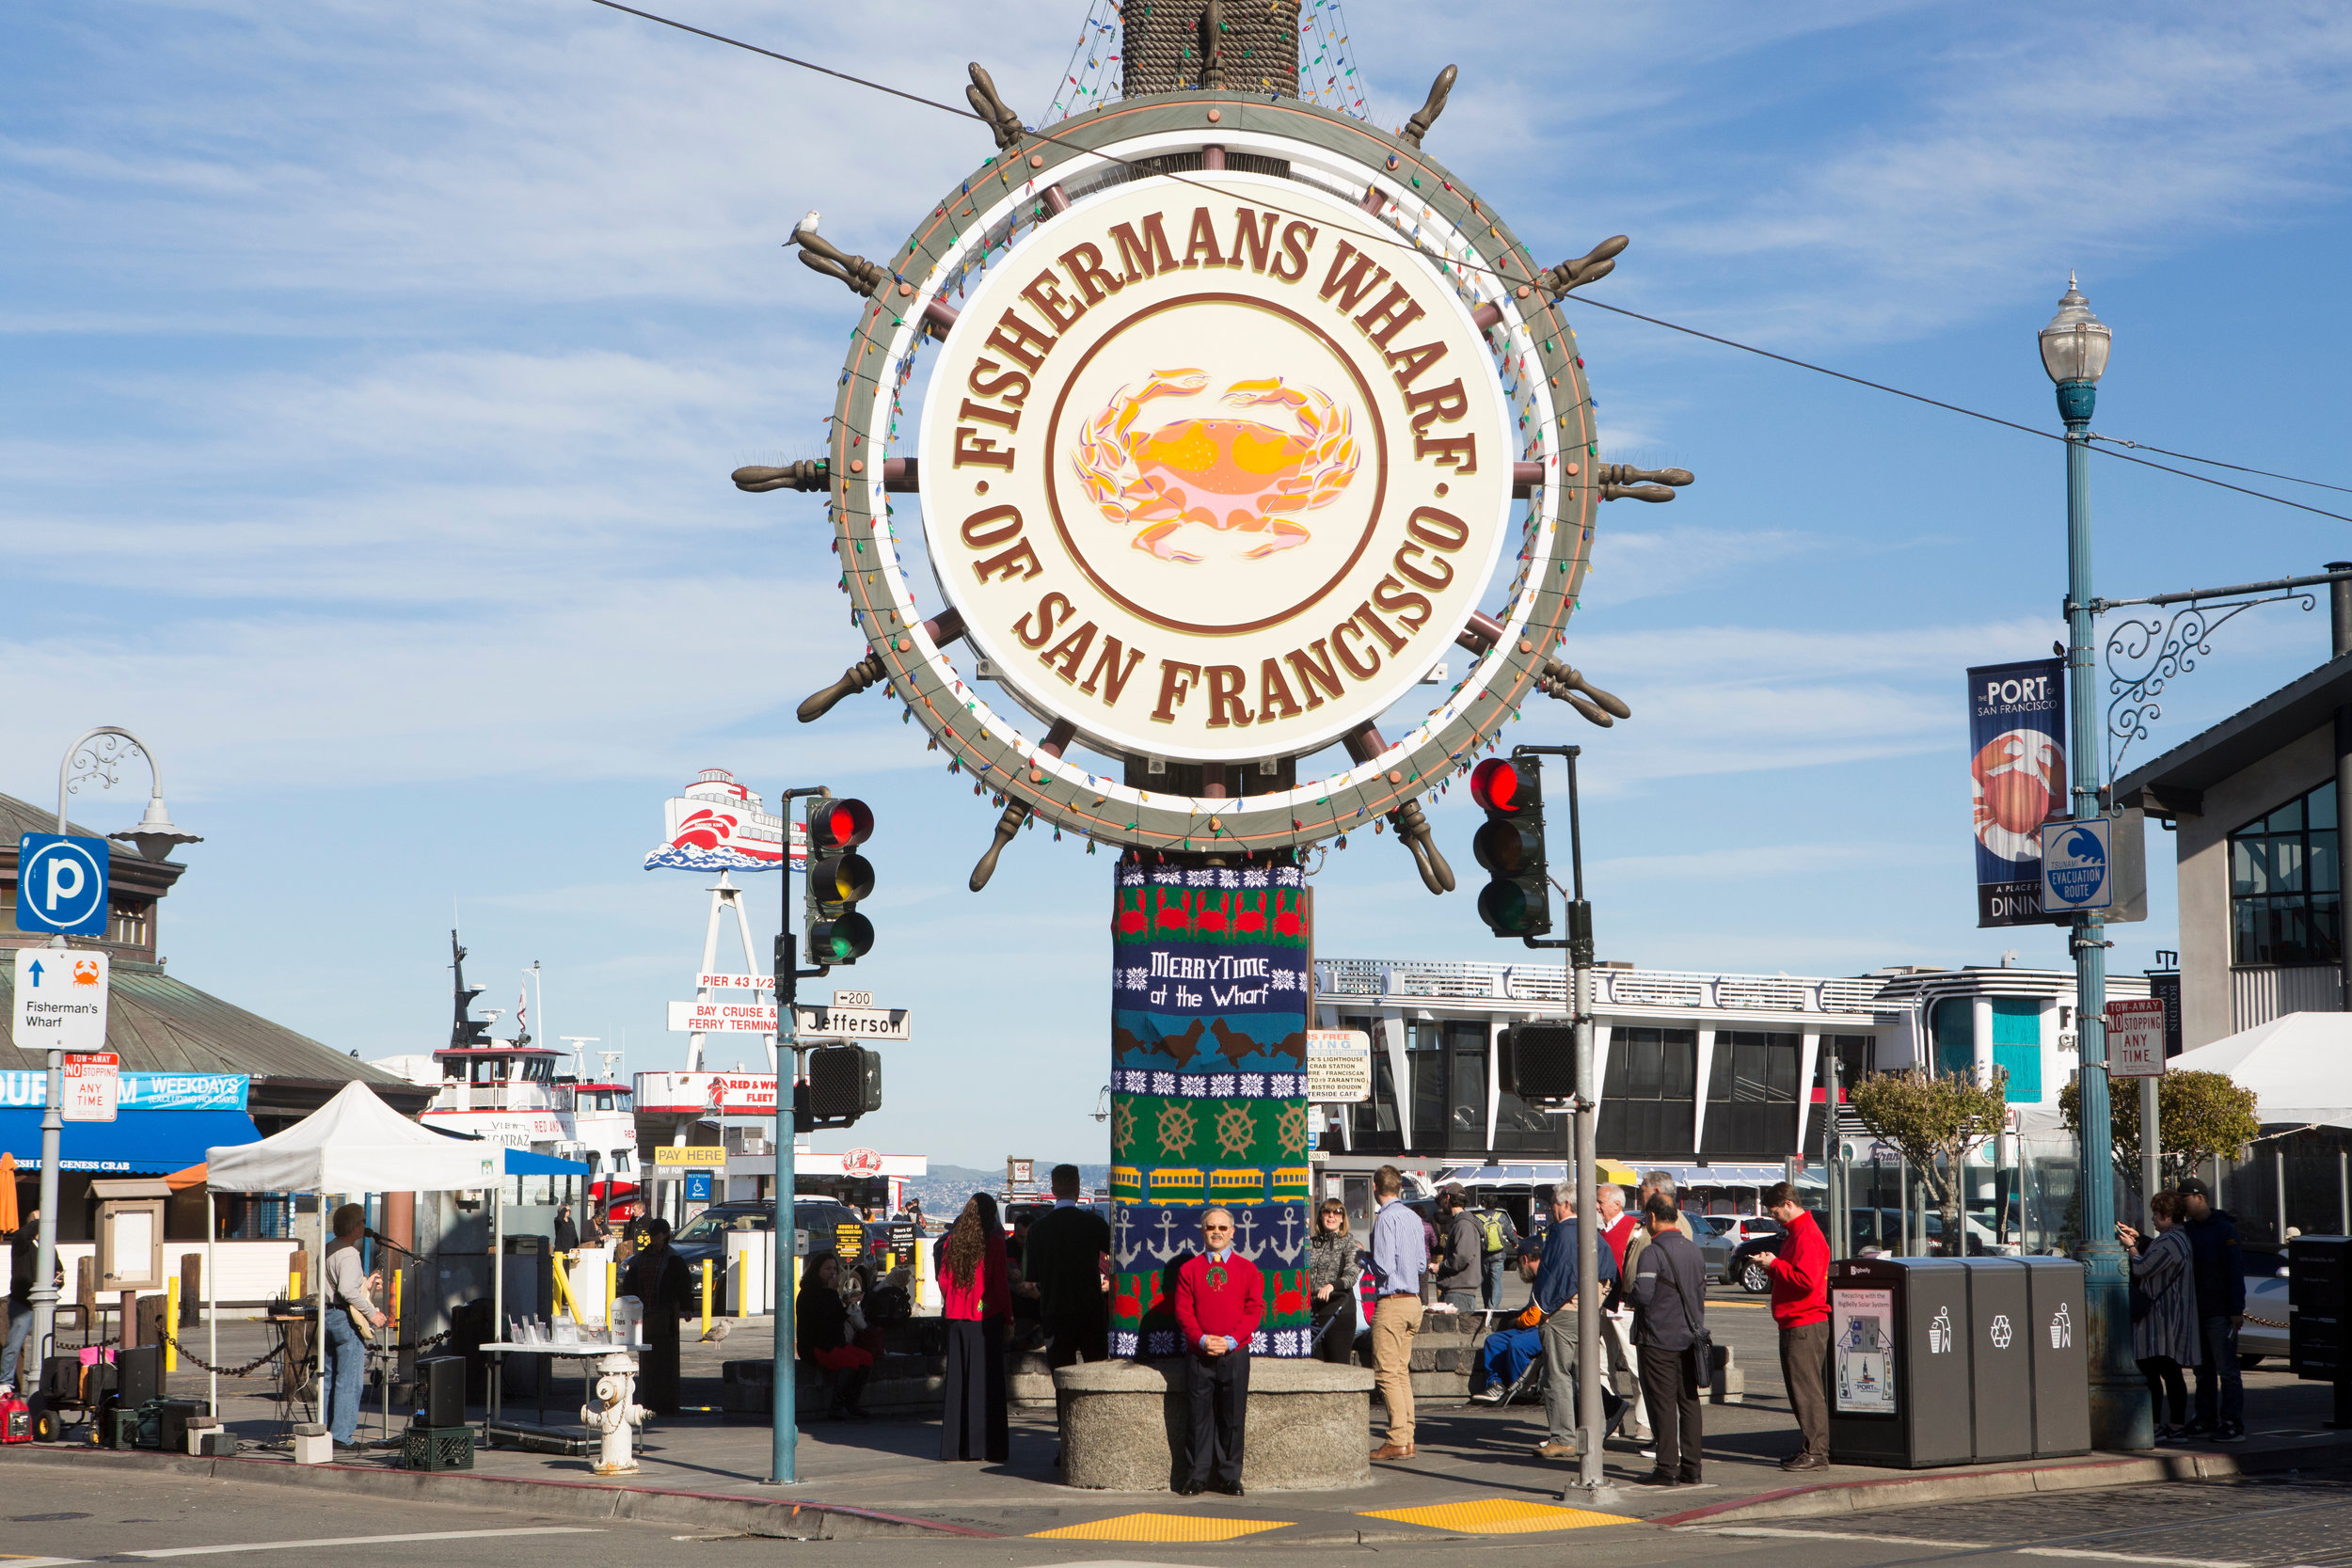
(842, 941)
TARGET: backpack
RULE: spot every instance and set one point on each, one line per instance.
(1491, 1223)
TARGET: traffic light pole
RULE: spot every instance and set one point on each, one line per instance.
(783, 1374)
(1577, 951)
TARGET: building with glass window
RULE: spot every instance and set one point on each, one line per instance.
(2254, 806)
(1697, 1067)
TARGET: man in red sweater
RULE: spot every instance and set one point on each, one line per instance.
(1800, 1274)
(1219, 1303)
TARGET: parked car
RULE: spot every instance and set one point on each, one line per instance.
(1720, 1236)
(1870, 1228)
(830, 1225)
(2264, 1331)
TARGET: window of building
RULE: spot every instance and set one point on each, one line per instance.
(1647, 1101)
(1372, 1123)
(126, 923)
(1751, 1095)
(1519, 1128)
(1955, 1028)
(2286, 899)
(1424, 1058)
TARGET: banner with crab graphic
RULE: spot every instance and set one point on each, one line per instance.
(1208, 1077)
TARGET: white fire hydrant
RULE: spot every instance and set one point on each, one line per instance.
(613, 1411)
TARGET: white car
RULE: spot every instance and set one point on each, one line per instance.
(2264, 1331)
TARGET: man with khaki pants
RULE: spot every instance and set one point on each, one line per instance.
(1400, 1256)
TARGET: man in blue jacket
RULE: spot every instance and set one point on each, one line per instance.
(2220, 1277)
(1556, 1290)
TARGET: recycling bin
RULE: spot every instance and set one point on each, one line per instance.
(2000, 1358)
(1899, 1373)
(2062, 1355)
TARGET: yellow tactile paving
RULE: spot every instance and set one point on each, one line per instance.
(1497, 1516)
(1160, 1527)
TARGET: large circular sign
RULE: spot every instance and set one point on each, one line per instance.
(1214, 468)
(1241, 420)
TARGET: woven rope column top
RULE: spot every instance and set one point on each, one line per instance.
(1171, 45)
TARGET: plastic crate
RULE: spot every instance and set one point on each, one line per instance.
(437, 1448)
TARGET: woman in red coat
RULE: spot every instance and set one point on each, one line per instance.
(975, 1299)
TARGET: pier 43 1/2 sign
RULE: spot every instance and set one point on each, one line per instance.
(1219, 473)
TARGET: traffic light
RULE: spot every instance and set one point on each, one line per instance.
(838, 877)
(844, 1083)
(1517, 901)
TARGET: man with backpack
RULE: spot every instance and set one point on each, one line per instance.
(1498, 1240)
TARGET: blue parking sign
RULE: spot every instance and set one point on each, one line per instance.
(61, 884)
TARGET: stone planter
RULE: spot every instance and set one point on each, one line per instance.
(1124, 1425)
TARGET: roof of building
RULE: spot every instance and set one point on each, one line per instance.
(157, 1023)
(19, 817)
(2175, 784)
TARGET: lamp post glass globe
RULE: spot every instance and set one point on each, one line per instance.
(2075, 344)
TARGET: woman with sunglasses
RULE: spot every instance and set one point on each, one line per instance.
(1332, 1271)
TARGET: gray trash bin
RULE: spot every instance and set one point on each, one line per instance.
(2000, 1357)
(2061, 1356)
(1899, 1391)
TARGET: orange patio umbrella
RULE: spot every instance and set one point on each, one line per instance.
(9, 1218)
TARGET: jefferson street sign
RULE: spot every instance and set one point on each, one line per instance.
(855, 1023)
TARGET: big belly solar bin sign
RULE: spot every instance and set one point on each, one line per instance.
(1898, 1388)
(2000, 1362)
(2061, 1354)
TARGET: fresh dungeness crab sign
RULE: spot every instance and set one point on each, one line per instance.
(1216, 471)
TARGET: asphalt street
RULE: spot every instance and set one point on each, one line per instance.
(55, 1517)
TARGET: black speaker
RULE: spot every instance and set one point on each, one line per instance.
(139, 1375)
(1543, 1060)
(441, 1389)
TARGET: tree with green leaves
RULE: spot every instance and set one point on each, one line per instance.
(1927, 1117)
(2200, 1115)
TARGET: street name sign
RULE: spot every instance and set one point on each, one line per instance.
(853, 998)
(61, 1002)
(855, 1023)
(1339, 1066)
(2135, 1039)
(722, 1018)
(61, 884)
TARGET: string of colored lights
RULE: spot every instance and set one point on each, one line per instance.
(1326, 77)
(1412, 243)
(1095, 83)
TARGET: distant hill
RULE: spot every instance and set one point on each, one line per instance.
(945, 1189)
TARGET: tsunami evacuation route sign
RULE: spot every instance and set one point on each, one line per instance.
(1215, 467)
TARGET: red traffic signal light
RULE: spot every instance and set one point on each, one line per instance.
(1495, 785)
(842, 824)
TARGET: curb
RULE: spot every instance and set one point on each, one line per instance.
(579, 1500)
(1860, 1497)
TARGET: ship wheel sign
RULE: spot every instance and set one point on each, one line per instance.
(1238, 416)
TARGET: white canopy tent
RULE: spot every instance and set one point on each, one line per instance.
(355, 1142)
(2300, 1067)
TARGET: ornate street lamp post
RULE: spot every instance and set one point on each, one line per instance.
(95, 755)
(2074, 352)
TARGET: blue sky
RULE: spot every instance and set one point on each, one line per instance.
(372, 378)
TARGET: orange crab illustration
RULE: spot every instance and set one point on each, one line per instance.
(1233, 475)
(86, 971)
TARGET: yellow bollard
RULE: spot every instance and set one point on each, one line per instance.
(172, 1325)
(611, 1288)
(400, 1278)
(705, 1298)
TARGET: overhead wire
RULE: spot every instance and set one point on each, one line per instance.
(2216, 462)
(1403, 243)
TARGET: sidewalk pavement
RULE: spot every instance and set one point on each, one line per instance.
(1475, 1475)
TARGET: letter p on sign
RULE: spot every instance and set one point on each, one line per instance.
(61, 884)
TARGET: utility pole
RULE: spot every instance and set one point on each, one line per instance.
(784, 1429)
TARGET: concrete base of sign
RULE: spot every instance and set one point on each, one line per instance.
(1123, 1425)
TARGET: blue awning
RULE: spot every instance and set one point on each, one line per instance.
(523, 1162)
(136, 1143)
